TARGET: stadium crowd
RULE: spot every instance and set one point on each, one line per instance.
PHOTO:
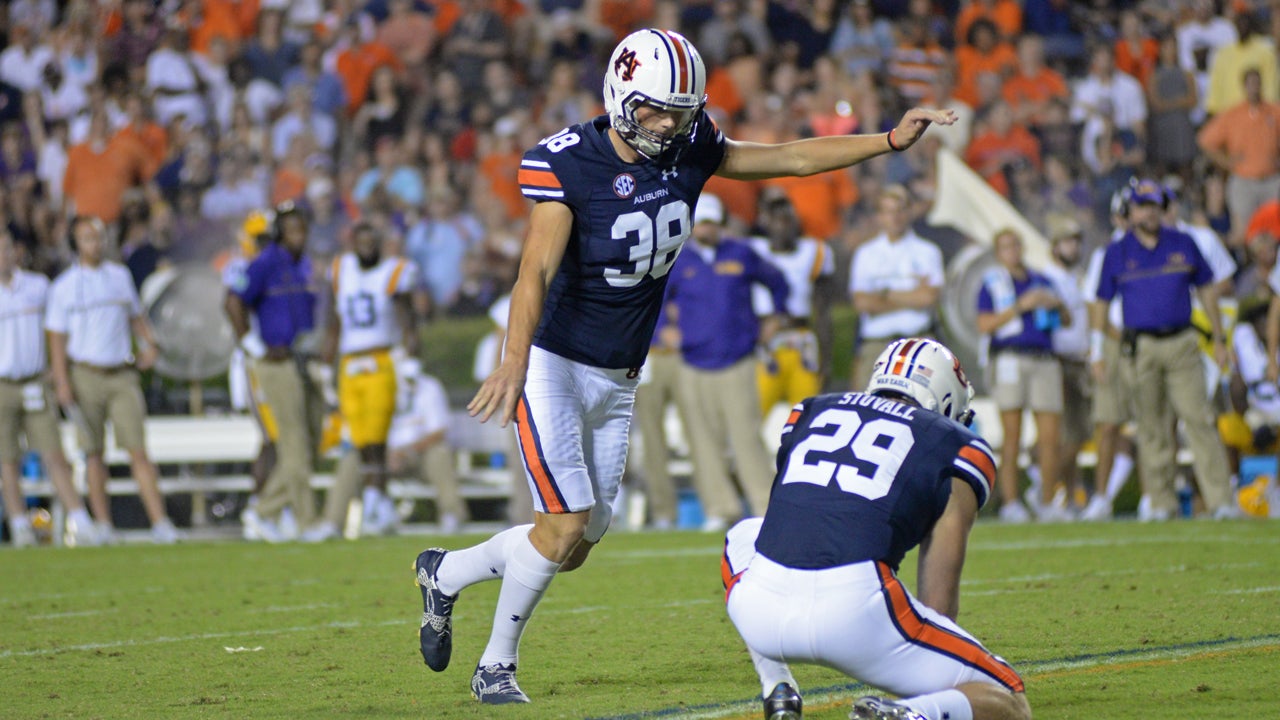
(173, 121)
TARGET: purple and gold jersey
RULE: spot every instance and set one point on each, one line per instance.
(863, 477)
(630, 221)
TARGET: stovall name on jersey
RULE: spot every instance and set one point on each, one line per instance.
(651, 195)
(884, 405)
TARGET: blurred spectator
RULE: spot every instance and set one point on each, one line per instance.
(1200, 37)
(1110, 104)
(477, 37)
(1244, 140)
(802, 32)
(410, 34)
(329, 217)
(1004, 15)
(60, 99)
(895, 281)
(401, 182)
(861, 41)
(915, 60)
(38, 15)
(325, 88)
(659, 388)
(385, 113)
(1135, 50)
(1033, 85)
(174, 82)
(138, 35)
(1000, 146)
(260, 98)
(1260, 240)
(78, 56)
(983, 53)
(733, 17)
(709, 301)
(269, 54)
(1250, 50)
(139, 248)
(357, 61)
(100, 169)
(241, 188)
(301, 120)
(22, 64)
(439, 242)
(1172, 96)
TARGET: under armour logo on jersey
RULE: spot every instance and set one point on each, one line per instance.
(672, 172)
(626, 64)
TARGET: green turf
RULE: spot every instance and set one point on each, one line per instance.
(1112, 621)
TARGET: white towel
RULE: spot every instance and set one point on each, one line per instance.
(999, 284)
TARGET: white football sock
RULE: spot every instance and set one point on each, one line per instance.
(527, 578)
(1120, 469)
(80, 518)
(945, 705)
(487, 561)
(771, 673)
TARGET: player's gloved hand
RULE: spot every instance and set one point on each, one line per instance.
(253, 346)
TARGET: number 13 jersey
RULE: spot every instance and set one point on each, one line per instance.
(629, 222)
(862, 477)
(364, 300)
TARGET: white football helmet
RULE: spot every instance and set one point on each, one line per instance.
(662, 69)
(927, 372)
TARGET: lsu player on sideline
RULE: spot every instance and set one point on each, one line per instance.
(614, 198)
(862, 479)
(794, 370)
(245, 391)
(372, 330)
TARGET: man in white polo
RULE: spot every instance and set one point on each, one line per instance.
(93, 315)
(26, 405)
(895, 283)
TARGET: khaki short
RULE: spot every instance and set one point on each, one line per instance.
(29, 413)
(1113, 396)
(1026, 382)
(1077, 402)
(114, 394)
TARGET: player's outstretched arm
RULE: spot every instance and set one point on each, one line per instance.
(942, 552)
(549, 227)
(754, 161)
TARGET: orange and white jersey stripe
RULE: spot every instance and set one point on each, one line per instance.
(538, 181)
(364, 301)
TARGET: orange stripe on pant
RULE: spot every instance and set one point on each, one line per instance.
(537, 468)
(959, 647)
(727, 576)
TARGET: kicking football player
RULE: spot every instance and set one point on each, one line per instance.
(862, 479)
(614, 202)
(372, 313)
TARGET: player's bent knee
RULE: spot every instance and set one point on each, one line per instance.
(577, 557)
(556, 535)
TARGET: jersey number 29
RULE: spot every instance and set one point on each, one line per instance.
(881, 443)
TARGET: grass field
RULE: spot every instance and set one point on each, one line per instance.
(1112, 622)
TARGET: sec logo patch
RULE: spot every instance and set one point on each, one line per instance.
(624, 185)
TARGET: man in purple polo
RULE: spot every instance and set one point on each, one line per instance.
(709, 302)
(277, 287)
(1153, 270)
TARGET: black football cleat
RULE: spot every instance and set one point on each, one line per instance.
(435, 637)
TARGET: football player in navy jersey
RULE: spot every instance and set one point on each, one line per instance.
(862, 478)
(614, 202)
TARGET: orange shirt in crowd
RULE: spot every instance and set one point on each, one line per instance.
(499, 170)
(625, 16)
(1139, 62)
(154, 141)
(740, 197)
(1035, 89)
(722, 92)
(96, 180)
(232, 20)
(970, 64)
(1249, 135)
(988, 153)
(355, 66)
(288, 184)
(820, 200)
(1006, 14)
(446, 13)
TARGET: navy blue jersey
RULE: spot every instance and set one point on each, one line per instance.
(861, 477)
(629, 222)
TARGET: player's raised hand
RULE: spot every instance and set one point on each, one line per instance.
(915, 122)
(499, 393)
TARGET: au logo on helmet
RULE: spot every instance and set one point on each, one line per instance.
(626, 64)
